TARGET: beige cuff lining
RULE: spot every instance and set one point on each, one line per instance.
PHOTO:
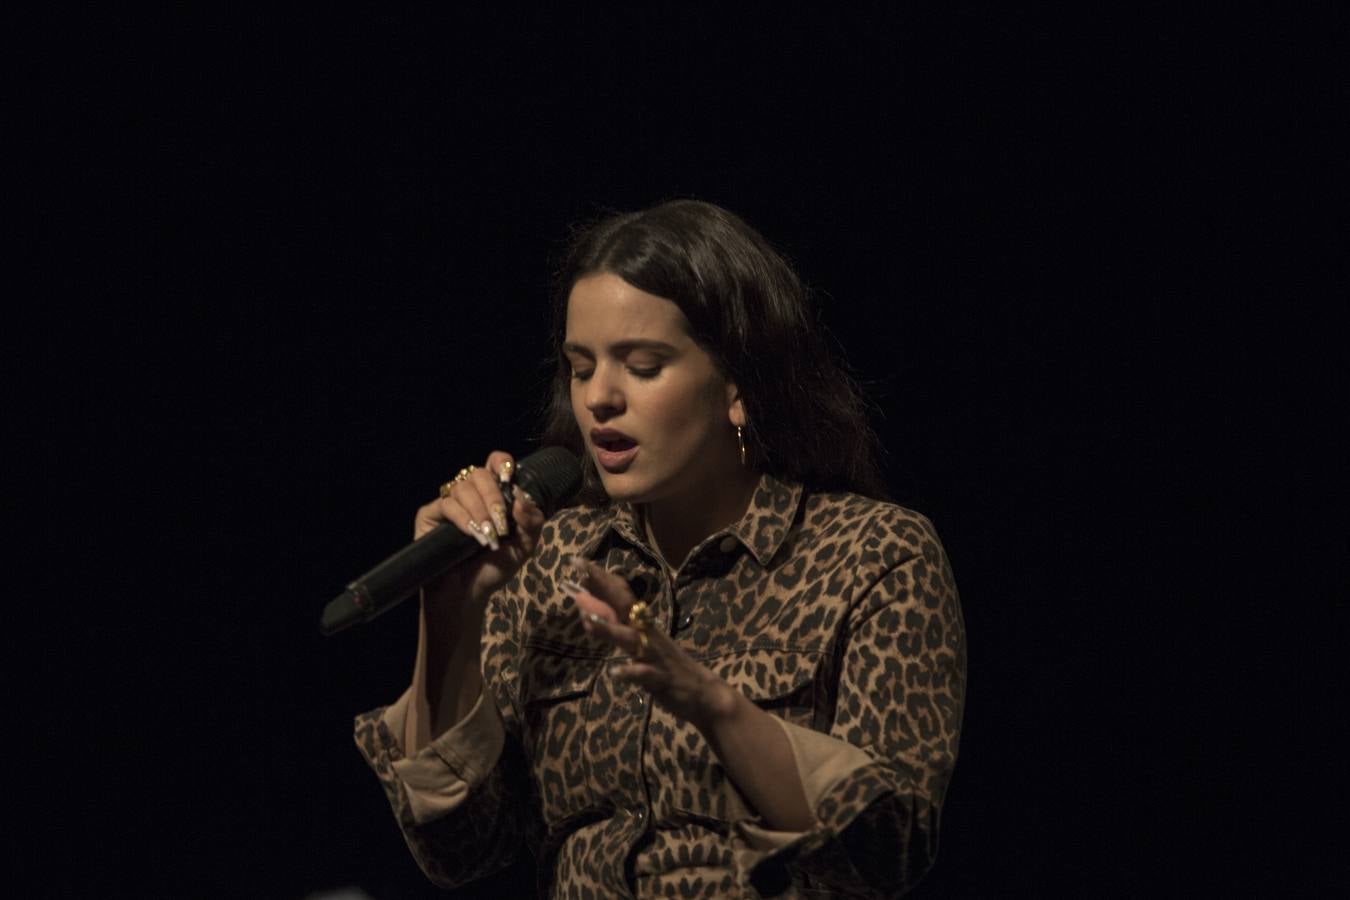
(822, 761)
(440, 775)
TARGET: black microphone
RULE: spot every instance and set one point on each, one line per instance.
(550, 476)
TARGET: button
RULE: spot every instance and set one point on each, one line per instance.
(728, 544)
(686, 620)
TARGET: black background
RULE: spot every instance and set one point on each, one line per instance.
(295, 275)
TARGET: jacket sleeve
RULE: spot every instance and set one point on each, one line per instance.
(876, 782)
(459, 799)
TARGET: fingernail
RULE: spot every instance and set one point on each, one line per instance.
(595, 617)
(505, 472)
(569, 587)
(499, 519)
(490, 536)
(478, 534)
(575, 566)
(525, 497)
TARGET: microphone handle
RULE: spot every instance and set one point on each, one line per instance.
(549, 477)
(392, 581)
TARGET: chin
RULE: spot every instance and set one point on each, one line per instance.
(633, 485)
(622, 487)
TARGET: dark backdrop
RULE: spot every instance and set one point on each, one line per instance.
(298, 272)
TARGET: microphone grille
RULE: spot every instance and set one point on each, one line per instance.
(551, 476)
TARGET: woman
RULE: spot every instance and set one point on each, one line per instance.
(726, 671)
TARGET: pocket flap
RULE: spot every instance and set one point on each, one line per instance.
(551, 676)
(767, 674)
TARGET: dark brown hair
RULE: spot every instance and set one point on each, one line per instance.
(750, 312)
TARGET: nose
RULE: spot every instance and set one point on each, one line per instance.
(603, 394)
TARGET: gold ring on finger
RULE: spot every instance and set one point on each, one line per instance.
(640, 618)
(463, 475)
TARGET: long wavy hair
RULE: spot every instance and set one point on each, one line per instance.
(750, 312)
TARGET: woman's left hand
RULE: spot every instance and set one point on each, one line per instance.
(682, 685)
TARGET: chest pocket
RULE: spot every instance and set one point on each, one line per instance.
(555, 693)
(782, 682)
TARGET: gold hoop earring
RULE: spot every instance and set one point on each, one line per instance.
(740, 440)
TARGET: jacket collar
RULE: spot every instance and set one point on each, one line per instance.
(761, 530)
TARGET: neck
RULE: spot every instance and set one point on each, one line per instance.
(677, 525)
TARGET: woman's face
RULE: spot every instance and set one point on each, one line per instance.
(657, 417)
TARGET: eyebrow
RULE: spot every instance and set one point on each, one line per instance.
(620, 347)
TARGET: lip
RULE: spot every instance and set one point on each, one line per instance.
(612, 461)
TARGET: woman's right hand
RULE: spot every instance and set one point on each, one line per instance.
(475, 506)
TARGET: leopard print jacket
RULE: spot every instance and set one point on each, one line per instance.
(834, 612)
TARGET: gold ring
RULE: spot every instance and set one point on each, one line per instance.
(463, 475)
(640, 618)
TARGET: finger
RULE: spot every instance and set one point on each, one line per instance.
(588, 605)
(599, 618)
(465, 510)
(502, 465)
(645, 675)
(606, 585)
(484, 481)
(529, 517)
(467, 494)
(659, 643)
(621, 636)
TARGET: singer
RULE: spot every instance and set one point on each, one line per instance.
(731, 668)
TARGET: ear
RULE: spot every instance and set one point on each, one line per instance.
(735, 407)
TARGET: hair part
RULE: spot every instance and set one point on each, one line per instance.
(806, 415)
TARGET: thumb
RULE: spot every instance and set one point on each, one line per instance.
(529, 520)
(608, 586)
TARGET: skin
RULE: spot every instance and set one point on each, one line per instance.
(636, 369)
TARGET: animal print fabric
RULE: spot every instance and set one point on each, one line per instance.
(836, 613)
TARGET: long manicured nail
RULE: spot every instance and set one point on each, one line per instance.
(506, 471)
(489, 534)
(569, 587)
(499, 519)
(478, 534)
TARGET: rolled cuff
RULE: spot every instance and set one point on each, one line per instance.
(822, 762)
(441, 774)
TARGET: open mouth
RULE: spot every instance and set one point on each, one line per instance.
(614, 450)
(615, 444)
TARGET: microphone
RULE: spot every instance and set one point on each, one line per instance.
(550, 476)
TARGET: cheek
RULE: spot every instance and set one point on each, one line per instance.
(576, 393)
(683, 411)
